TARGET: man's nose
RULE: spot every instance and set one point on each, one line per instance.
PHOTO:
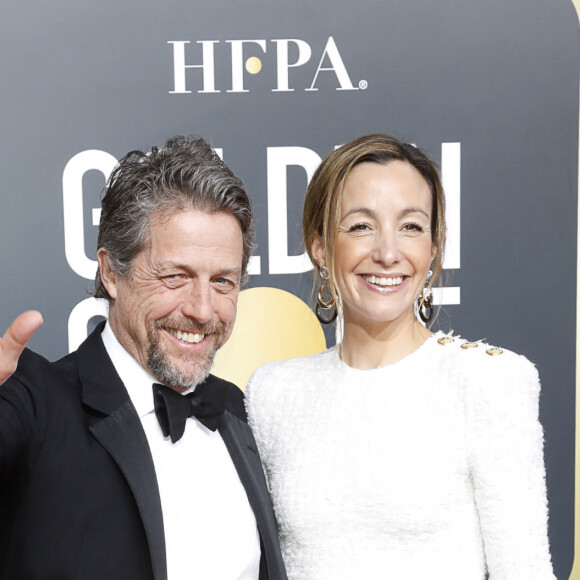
(198, 304)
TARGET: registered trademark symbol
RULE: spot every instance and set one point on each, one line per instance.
(363, 84)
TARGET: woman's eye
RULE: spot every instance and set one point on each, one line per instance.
(358, 227)
(413, 227)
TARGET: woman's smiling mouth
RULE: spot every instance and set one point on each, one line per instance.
(383, 281)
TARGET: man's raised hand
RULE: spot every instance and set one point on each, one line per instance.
(15, 340)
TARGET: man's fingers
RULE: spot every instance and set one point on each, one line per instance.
(15, 339)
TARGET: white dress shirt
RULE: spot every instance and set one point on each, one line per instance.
(210, 528)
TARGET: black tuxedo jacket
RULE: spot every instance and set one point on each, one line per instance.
(78, 491)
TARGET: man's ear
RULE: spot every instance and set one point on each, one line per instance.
(108, 277)
(318, 251)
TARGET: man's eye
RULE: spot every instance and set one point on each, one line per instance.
(227, 285)
(173, 279)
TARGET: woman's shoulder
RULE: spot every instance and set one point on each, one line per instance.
(487, 367)
(277, 387)
(292, 368)
(479, 348)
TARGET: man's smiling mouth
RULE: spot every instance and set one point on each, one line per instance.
(189, 337)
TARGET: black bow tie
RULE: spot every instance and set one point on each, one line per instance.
(206, 404)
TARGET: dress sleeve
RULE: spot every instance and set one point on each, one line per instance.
(507, 466)
(264, 407)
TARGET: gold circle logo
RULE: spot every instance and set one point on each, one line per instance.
(253, 65)
(271, 325)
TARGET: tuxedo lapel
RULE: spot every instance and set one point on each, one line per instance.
(241, 445)
(120, 432)
(122, 435)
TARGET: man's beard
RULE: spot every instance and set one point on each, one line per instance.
(195, 368)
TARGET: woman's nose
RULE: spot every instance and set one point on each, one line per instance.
(386, 248)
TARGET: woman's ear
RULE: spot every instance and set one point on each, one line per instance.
(108, 277)
(318, 251)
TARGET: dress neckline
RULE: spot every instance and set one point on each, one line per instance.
(406, 360)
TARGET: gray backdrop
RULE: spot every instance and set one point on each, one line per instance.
(498, 80)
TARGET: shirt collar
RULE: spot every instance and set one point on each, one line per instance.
(137, 381)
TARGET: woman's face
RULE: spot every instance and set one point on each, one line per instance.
(384, 247)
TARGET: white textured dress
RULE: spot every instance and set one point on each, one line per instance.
(427, 469)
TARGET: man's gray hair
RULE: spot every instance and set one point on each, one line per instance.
(186, 173)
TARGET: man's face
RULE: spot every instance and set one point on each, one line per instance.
(177, 306)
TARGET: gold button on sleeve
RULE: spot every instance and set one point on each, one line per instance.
(494, 351)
